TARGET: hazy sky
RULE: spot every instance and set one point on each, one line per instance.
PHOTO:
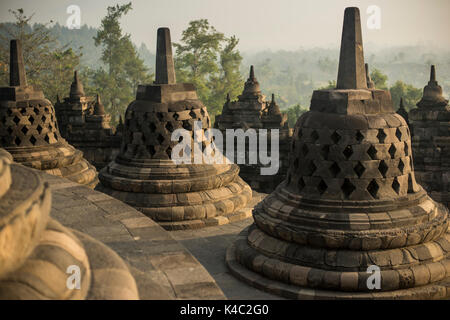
(261, 24)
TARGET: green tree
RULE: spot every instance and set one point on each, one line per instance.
(229, 79)
(117, 81)
(294, 113)
(410, 95)
(48, 64)
(208, 59)
(379, 79)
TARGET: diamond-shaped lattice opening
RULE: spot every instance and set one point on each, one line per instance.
(176, 116)
(169, 152)
(152, 127)
(383, 168)
(347, 188)
(192, 114)
(406, 149)
(36, 110)
(359, 136)
(335, 137)
(381, 135)
(396, 185)
(348, 151)
(160, 116)
(46, 110)
(24, 130)
(47, 138)
(16, 120)
(372, 152)
(10, 130)
(31, 119)
(359, 169)
(334, 169)
(9, 112)
(169, 126)
(401, 165)
(33, 140)
(325, 151)
(17, 141)
(373, 188)
(23, 111)
(305, 149)
(50, 127)
(301, 184)
(187, 125)
(151, 150)
(160, 139)
(300, 133)
(44, 118)
(398, 134)
(314, 135)
(311, 168)
(39, 129)
(322, 187)
(392, 150)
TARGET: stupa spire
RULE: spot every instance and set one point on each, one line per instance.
(351, 74)
(252, 73)
(370, 83)
(99, 109)
(433, 74)
(17, 75)
(165, 70)
(432, 93)
(76, 89)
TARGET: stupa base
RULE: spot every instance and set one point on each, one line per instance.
(272, 275)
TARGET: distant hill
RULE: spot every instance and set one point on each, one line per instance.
(293, 75)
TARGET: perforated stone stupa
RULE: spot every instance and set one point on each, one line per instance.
(37, 251)
(350, 201)
(143, 174)
(29, 130)
(252, 111)
(430, 124)
(84, 124)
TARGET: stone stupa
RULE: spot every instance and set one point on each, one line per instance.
(177, 196)
(38, 255)
(252, 111)
(350, 203)
(402, 111)
(84, 124)
(30, 132)
(430, 125)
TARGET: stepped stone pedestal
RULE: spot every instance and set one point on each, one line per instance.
(350, 202)
(30, 132)
(143, 175)
(430, 125)
(39, 255)
(252, 111)
(84, 124)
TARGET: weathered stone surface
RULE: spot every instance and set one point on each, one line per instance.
(350, 201)
(84, 123)
(430, 124)
(143, 175)
(30, 132)
(37, 252)
(252, 111)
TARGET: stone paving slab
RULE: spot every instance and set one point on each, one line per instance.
(209, 246)
(163, 267)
